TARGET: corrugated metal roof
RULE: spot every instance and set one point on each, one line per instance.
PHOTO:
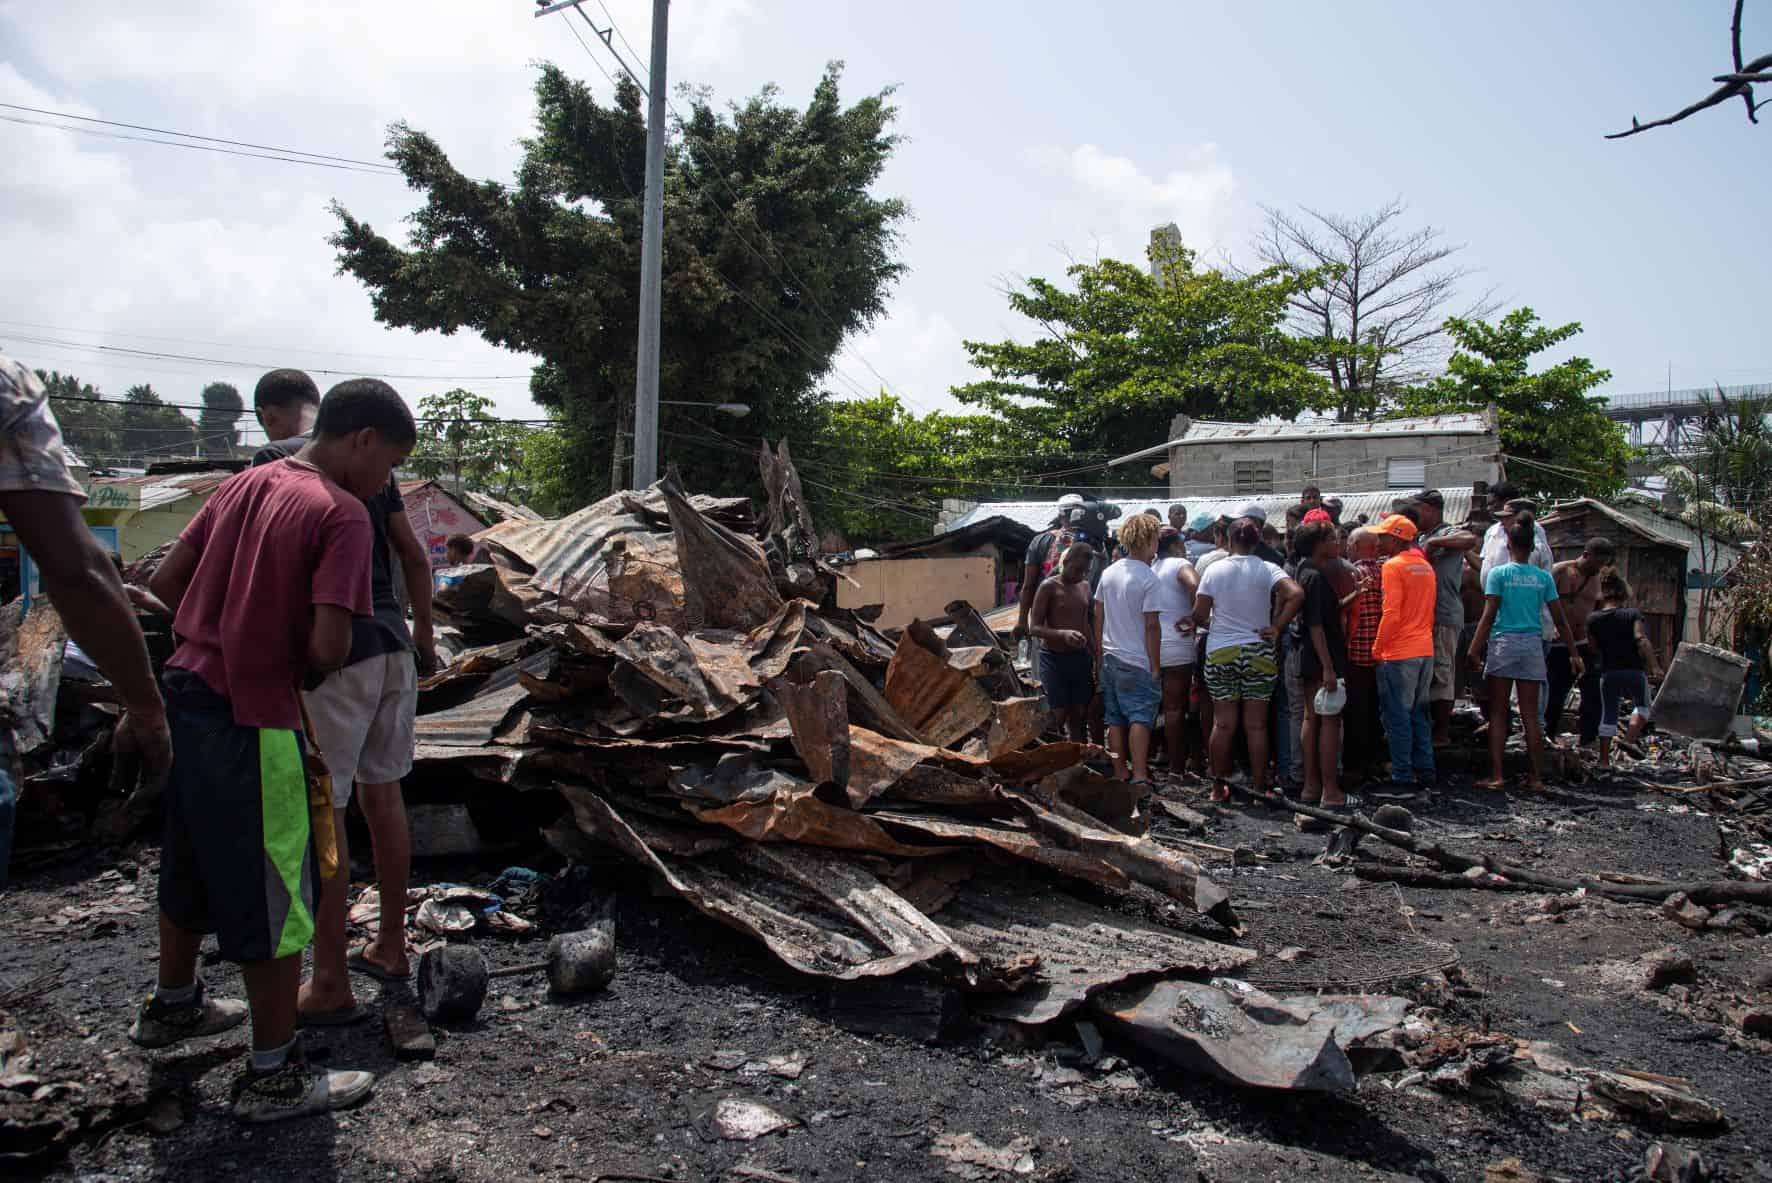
(150, 492)
(1037, 515)
(1717, 556)
(1208, 431)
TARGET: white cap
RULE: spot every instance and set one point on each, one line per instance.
(1071, 499)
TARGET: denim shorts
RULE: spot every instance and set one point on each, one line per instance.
(1131, 694)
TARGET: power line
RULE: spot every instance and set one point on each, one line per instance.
(250, 365)
(194, 136)
(108, 332)
(117, 135)
(199, 406)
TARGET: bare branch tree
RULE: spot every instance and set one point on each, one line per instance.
(1739, 81)
(1382, 313)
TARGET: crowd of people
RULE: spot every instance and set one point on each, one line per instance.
(293, 682)
(1327, 654)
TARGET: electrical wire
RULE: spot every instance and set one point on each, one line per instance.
(107, 332)
(387, 170)
(251, 365)
(193, 136)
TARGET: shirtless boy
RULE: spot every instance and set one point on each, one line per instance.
(1060, 620)
(1578, 586)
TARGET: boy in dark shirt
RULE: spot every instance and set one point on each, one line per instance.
(1060, 620)
(263, 584)
(1323, 662)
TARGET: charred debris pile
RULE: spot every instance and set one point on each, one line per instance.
(863, 806)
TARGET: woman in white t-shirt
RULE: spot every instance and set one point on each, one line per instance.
(1176, 581)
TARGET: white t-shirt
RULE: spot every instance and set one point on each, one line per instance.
(1242, 589)
(1176, 602)
(1495, 554)
(1210, 557)
(1127, 591)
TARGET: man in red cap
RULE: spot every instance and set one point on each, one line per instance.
(1405, 651)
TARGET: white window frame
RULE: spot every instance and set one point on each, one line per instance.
(1413, 468)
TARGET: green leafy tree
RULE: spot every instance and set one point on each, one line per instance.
(774, 252)
(1125, 351)
(876, 472)
(1554, 431)
(222, 408)
(89, 427)
(461, 437)
(152, 431)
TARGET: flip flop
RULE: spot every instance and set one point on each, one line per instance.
(343, 1017)
(358, 962)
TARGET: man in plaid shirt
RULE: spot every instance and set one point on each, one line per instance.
(1363, 747)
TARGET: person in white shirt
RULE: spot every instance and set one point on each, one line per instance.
(1128, 648)
(1176, 581)
(1235, 597)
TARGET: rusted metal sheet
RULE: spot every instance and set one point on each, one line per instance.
(736, 779)
(1015, 723)
(478, 662)
(1233, 1031)
(1036, 764)
(474, 722)
(1012, 839)
(882, 913)
(763, 907)
(866, 704)
(665, 748)
(818, 715)
(969, 628)
(1140, 859)
(942, 703)
(32, 674)
(880, 766)
(1079, 948)
(726, 580)
(799, 816)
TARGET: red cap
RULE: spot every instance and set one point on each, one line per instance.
(1318, 515)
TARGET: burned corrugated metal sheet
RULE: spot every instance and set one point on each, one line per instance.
(818, 719)
(1080, 948)
(797, 815)
(936, 696)
(726, 580)
(473, 723)
(833, 946)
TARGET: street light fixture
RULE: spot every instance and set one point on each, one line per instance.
(736, 410)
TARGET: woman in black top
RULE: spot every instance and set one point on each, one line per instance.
(1627, 661)
(1323, 663)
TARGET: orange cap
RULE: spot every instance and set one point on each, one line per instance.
(1397, 526)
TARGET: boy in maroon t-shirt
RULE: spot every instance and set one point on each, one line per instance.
(263, 584)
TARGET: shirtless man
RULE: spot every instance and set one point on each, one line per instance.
(1059, 619)
(1578, 585)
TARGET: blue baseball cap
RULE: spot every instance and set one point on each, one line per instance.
(1201, 521)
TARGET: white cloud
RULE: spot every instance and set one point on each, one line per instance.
(917, 354)
(1115, 202)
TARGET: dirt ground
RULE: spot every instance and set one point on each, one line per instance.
(619, 1085)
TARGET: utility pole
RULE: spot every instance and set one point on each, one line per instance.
(645, 413)
(651, 261)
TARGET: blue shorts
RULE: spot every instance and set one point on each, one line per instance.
(1067, 676)
(1131, 694)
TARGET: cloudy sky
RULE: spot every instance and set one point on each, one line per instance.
(1036, 133)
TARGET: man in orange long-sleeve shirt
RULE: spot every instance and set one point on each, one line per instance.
(1405, 652)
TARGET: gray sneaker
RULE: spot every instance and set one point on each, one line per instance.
(298, 1089)
(161, 1024)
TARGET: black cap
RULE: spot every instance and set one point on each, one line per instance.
(1430, 497)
